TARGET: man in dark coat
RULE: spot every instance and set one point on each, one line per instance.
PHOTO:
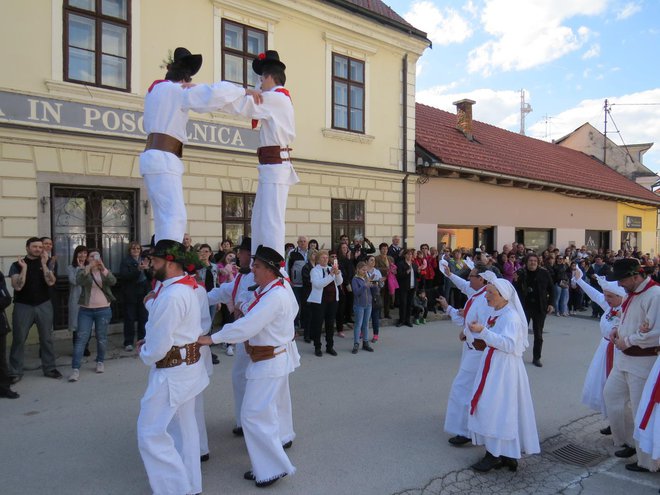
(536, 291)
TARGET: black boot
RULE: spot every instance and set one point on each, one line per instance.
(606, 431)
(509, 462)
(459, 440)
(366, 346)
(487, 463)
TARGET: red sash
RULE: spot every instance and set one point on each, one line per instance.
(655, 399)
(235, 289)
(609, 358)
(153, 84)
(469, 303)
(484, 373)
(255, 122)
(626, 303)
(259, 296)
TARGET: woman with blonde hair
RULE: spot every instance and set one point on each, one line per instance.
(361, 285)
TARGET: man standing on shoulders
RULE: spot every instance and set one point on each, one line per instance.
(277, 132)
(536, 291)
(639, 349)
(267, 330)
(31, 279)
(176, 377)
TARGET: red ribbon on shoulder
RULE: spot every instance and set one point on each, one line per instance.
(153, 84)
(255, 122)
(187, 280)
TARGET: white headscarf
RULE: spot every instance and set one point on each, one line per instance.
(508, 292)
(612, 287)
(488, 276)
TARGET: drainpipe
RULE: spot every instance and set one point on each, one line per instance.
(404, 185)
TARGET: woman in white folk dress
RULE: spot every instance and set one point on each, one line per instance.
(501, 411)
(610, 301)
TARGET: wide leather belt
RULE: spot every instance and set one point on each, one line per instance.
(261, 352)
(173, 357)
(637, 351)
(163, 142)
(273, 155)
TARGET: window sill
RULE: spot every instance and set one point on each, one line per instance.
(347, 136)
(82, 91)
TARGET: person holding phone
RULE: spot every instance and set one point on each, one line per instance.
(95, 299)
(323, 301)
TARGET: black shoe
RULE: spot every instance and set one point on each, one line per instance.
(636, 468)
(214, 359)
(317, 352)
(509, 462)
(86, 352)
(248, 475)
(287, 445)
(53, 374)
(355, 348)
(459, 440)
(332, 352)
(14, 379)
(606, 431)
(626, 452)
(398, 324)
(367, 347)
(238, 431)
(204, 458)
(487, 463)
(264, 484)
(537, 363)
(9, 394)
(307, 341)
(409, 324)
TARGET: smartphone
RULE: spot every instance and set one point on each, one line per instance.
(335, 263)
(95, 256)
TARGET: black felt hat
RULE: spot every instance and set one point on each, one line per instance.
(624, 268)
(270, 257)
(268, 59)
(246, 244)
(185, 60)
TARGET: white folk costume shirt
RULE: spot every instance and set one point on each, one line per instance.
(174, 319)
(166, 109)
(269, 322)
(502, 416)
(606, 353)
(476, 309)
(277, 129)
(231, 292)
(643, 305)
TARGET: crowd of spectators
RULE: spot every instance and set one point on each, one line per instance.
(350, 286)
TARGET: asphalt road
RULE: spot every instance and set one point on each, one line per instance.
(369, 423)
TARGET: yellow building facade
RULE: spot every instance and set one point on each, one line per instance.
(637, 227)
(71, 128)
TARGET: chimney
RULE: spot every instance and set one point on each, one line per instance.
(464, 117)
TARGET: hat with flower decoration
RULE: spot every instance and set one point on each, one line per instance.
(174, 251)
(267, 59)
(271, 258)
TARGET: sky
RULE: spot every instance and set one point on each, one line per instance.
(567, 55)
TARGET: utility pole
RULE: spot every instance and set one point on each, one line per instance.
(605, 108)
(525, 108)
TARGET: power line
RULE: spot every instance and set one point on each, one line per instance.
(636, 104)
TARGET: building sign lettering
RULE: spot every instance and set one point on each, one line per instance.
(21, 109)
(633, 222)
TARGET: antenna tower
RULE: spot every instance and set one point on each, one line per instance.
(525, 108)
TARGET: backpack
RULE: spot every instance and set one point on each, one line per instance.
(296, 264)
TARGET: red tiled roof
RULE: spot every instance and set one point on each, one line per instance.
(382, 10)
(499, 151)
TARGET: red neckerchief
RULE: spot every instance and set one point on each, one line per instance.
(484, 373)
(626, 303)
(255, 122)
(262, 294)
(235, 289)
(153, 84)
(185, 280)
(469, 303)
(655, 399)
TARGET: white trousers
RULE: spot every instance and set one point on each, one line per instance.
(622, 394)
(172, 469)
(456, 419)
(238, 380)
(165, 191)
(269, 210)
(260, 417)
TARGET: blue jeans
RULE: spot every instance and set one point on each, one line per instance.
(561, 300)
(100, 318)
(361, 325)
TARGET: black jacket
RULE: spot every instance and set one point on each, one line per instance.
(129, 272)
(5, 301)
(543, 289)
(403, 274)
